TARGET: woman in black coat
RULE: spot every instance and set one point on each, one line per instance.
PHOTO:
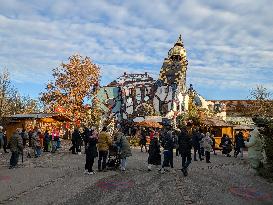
(154, 153)
(91, 153)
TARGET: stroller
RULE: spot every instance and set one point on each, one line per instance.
(113, 162)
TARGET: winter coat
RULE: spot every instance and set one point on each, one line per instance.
(239, 141)
(201, 140)
(154, 152)
(91, 148)
(226, 144)
(104, 141)
(123, 144)
(143, 140)
(47, 137)
(77, 137)
(16, 143)
(255, 148)
(207, 143)
(35, 140)
(167, 142)
(196, 140)
(185, 143)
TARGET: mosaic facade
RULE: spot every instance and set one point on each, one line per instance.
(131, 95)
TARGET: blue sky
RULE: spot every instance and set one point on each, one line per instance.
(229, 43)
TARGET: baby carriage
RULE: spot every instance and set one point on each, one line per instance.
(113, 162)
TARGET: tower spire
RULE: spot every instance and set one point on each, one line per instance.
(179, 41)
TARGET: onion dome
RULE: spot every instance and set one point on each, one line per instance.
(177, 51)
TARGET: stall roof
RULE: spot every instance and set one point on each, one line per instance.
(55, 116)
(216, 122)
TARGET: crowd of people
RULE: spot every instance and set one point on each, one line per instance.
(162, 144)
(34, 139)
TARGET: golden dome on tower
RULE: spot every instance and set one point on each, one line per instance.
(177, 50)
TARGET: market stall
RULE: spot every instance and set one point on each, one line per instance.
(219, 127)
(42, 120)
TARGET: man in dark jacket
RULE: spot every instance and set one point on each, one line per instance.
(16, 148)
(75, 138)
(168, 145)
(185, 146)
(91, 152)
(196, 137)
(239, 145)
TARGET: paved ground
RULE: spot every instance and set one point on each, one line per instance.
(58, 179)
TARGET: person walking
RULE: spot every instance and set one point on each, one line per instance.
(104, 141)
(196, 138)
(36, 142)
(30, 133)
(46, 141)
(124, 148)
(185, 146)
(91, 152)
(207, 144)
(24, 136)
(16, 148)
(202, 150)
(5, 142)
(239, 145)
(168, 146)
(154, 157)
(75, 136)
(143, 140)
(55, 138)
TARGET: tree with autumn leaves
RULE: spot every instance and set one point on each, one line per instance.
(74, 83)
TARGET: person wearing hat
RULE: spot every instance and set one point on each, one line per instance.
(16, 147)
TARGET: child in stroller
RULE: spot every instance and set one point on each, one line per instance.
(113, 162)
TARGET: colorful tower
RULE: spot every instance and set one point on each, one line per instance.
(173, 70)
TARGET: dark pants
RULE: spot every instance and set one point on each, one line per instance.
(168, 159)
(46, 145)
(207, 156)
(73, 148)
(197, 149)
(186, 160)
(5, 144)
(102, 160)
(202, 151)
(171, 158)
(14, 159)
(78, 146)
(89, 163)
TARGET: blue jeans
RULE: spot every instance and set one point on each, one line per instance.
(123, 162)
(38, 151)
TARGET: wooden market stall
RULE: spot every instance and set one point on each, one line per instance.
(219, 127)
(31, 120)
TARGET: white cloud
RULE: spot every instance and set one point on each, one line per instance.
(228, 43)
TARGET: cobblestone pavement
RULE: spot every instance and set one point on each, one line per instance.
(58, 179)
